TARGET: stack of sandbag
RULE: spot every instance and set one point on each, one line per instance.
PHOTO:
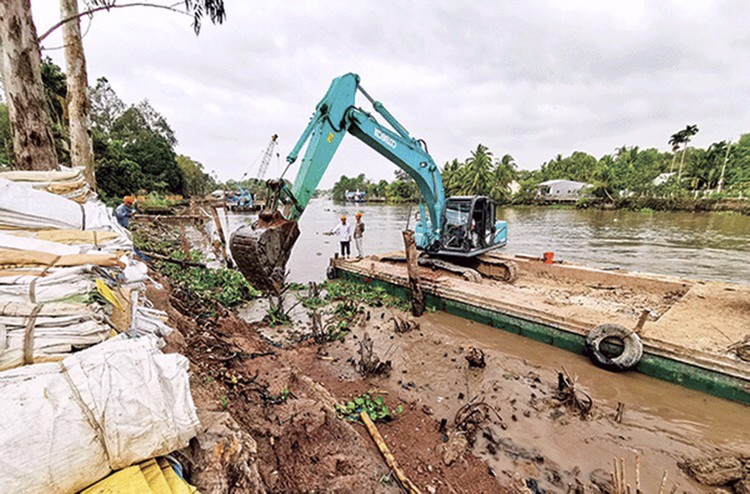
(66, 182)
(102, 409)
(40, 286)
(24, 208)
(31, 333)
(84, 240)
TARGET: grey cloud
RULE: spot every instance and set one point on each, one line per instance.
(532, 79)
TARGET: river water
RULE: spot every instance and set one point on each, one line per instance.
(713, 246)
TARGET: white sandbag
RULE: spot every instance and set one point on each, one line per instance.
(52, 332)
(66, 182)
(22, 207)
(149, 322)
(57, 284)
(103, 409)
(20, 243)
(89, 241)
(43, 177)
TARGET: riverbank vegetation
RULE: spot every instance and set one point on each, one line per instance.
(690, 178)
(134, 145)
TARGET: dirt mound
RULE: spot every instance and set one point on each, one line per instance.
(267, 427)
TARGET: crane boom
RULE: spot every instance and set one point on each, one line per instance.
(263, 168)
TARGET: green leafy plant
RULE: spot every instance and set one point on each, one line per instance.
(225, 286)
(277, 316)
(370, 295)
(375, 407)
(313, 302)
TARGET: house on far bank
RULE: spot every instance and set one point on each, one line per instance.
(662, 178)
(562, 190)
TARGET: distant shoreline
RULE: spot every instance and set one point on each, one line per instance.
(644, 204)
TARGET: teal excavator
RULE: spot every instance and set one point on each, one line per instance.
(456, 228)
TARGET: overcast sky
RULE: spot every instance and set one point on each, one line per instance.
(531, 79)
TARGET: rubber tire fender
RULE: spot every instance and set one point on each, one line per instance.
(632, 347)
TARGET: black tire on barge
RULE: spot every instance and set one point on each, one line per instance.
(632, 347)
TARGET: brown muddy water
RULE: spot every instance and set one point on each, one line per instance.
(662, 422)
(712, 246)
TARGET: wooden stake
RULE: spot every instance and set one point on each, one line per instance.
(184, 242)
(663, 482)
(616, 476)
(220, 230)
(637, 474)
(417, 296)
(622, 475)
(407, 484)
(641, 321)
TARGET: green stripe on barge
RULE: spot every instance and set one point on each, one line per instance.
(657, 366)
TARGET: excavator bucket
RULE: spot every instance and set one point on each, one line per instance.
(262, 250)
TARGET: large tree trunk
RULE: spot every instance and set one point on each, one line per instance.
(79, 106)
(33, 146)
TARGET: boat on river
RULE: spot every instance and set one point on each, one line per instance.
(356, 195)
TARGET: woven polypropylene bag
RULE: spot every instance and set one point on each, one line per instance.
(68, 424)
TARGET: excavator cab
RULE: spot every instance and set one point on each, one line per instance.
(470, 227)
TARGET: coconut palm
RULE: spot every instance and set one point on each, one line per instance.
(504, 173)
(476, 175)
(675, 141)
(688, 134)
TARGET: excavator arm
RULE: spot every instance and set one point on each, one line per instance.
(335, 115)
(261, 252)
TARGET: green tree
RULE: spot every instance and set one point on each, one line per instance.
(106, 106)
(503, 174)
(476, 175)
(196, 181)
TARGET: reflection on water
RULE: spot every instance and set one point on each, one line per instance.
(693, 245)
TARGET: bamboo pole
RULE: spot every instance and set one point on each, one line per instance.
(407, 484)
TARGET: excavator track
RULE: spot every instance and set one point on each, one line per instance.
(497, 267)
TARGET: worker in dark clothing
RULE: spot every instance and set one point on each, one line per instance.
(125, 210)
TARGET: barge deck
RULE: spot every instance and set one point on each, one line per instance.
(690, 337)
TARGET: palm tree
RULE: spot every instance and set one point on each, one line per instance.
(476, 174)
(504, 173)
(688, 133)
(675, 141)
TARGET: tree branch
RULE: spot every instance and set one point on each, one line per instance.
(108, 7)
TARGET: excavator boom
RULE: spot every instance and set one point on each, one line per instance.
(258, 249)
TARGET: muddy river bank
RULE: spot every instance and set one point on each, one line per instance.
(535, 438)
